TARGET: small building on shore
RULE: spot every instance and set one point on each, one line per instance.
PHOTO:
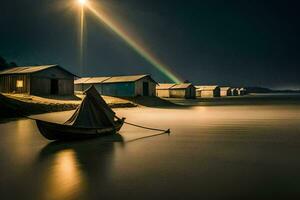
(37, 80)
(119, 86)
(208, 91)
(172, 90)
(82, 84)
(225, 91)
(163, 89)
(234, 92)
(183, 90)
(242, 91)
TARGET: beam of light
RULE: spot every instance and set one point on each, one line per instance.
(116, 28)
(81, 39)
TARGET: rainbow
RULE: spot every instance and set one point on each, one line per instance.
(121, 32)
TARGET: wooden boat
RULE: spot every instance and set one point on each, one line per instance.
(92, 118)
(54, 131)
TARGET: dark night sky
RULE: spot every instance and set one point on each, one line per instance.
(252, 43)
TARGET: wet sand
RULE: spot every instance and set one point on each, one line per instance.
(214, 152)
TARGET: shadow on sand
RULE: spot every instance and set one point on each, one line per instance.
(64, 98)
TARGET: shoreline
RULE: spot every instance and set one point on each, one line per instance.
(20, 105)
(15, 106)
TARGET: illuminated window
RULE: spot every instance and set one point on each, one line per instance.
(19, 83)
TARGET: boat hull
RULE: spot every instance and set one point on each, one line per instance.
(53, 131)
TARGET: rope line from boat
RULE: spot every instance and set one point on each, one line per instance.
(148, 128)
(145, 137)
(144, 127)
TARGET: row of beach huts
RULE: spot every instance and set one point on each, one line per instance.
(55, 80)
(190, 91)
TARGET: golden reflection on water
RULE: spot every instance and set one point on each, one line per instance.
(22, 134)
(64, 179)
(21, 141)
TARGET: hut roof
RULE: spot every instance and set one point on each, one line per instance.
(96, 80)
(164, 86)
(30, 69)
(120, 79)
(81, 80)
(112, 79)
(182, 86)
(225, 88)
(206, 87)
(168, 86)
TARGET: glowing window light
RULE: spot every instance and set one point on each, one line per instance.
(20, 83)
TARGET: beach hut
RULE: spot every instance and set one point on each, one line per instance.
(37, 80)
(234, 92)
(119, 86)
(225, 91)
(163, 89)
(208, 91)
(183, 90)
(83, 84)
(172, 90)
(242, 91)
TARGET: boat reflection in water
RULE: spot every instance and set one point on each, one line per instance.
(68, 167)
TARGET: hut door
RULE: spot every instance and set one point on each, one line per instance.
(145, 89)
(54, 86)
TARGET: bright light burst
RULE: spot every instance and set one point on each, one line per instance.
(82, 2)
(127, 37)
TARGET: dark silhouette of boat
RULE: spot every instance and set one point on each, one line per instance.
(92, 118)
(53, 131)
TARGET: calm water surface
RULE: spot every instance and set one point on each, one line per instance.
(214, 152)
